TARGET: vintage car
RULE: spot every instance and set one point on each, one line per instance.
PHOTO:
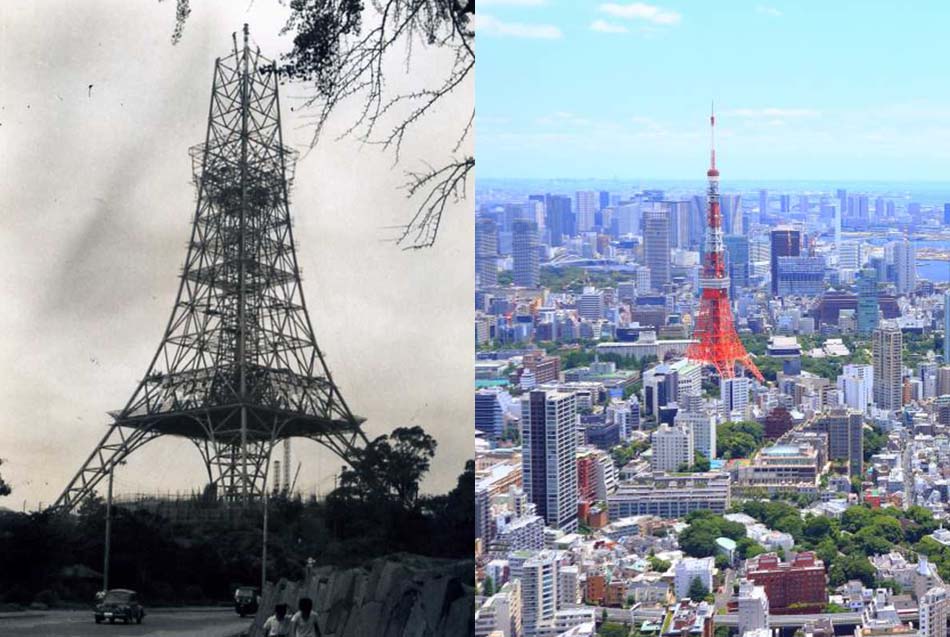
(119, 603)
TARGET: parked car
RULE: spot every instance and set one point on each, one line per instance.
(119, 603)
(246, 600)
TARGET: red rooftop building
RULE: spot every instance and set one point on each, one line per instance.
(796, 587)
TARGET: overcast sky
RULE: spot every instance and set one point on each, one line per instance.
(96, 201)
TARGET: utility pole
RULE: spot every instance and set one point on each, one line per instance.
(105, 564)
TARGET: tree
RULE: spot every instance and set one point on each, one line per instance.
(341, 51)
(488, 587)
(697, 590)
(4, 487)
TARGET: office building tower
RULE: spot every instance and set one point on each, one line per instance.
(490, 406)
(868, 311)
(763, 203)
(905, 266)
(799, 276)
(680, 215)
(590, 305)
(737, 260)
(946, 214)
(603, 199)
(549, 447)
(702, 425)
(933, 608)
(558, 218)
(943, 380)
(785, 203)
(656, 245)
(849, 255)
(845, 430)
(734, 394)
(486, 253)
(585, 207)
(856, 386)
(785, 242)
(731, 208)
(886, 346)
(525, 257)
(946, 327)
(753, 607)
(538, 591)
(672, 448)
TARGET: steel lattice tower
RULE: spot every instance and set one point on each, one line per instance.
(717, 344)
(238, 368)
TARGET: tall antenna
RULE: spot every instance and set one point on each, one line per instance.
(712, 135)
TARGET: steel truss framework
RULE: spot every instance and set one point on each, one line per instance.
(238, 368)
(717, 343)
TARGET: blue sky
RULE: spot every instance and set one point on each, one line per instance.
(803, 90)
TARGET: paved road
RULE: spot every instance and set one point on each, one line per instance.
(158, 623)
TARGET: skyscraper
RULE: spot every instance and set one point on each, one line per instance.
(946, 214)
(763, 203)
(672, 447)
(867, 314)
(586, 206)
(549, 446)
(524, 249)
(886, 352)
(905, 266)
(558, 217)
(946, 326)
(737, 259)
(786, 242)
(486, 253)
(656, 245)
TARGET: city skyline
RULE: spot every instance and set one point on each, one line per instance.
(800, 95)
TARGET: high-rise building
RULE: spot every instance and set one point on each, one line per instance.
(785, 242)
(702, 426)
(486, 253)
(585, 208)
(933, 612)
(886, 345)
(849, 255)
(604, 199)
(737, 259)
(868, 310)
(734, 394)
(763, 202)
(526, 260)
(490, 412)
(946, 326)
(590, 305)
(800, 276)
(855, 386)
(845, 429)
(943, 380)
(549, 446)
(672, 447)
(656, 245)
(558, 217)
(753, 607)
(905, 266)
(538, 591)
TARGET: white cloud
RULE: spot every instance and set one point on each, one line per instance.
(607, 27)
(490, 25)
(641, 11)
(772, 113)
(763, 10)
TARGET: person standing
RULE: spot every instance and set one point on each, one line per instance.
(278, 624)
(304, 621)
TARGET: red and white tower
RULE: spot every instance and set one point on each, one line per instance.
(718, 344)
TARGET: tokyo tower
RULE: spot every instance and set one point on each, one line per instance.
(717, 344)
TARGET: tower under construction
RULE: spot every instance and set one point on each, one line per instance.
(238, 368)
(718, 346)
